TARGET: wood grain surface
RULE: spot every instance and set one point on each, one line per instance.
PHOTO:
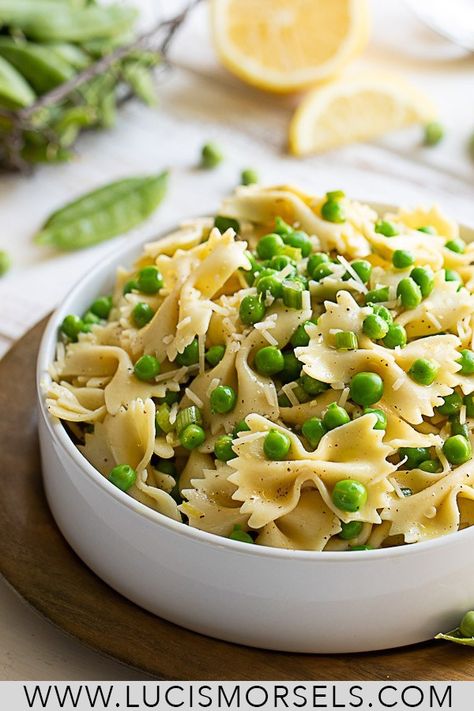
(40, 565)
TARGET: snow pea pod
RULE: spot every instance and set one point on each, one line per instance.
(47, 20)
(70, 53)
(15, 92)
(71, 122)
(42, 68)
(103, 213)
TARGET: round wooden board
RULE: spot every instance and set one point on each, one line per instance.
(40, 565)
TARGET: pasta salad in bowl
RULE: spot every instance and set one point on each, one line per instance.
(294, 373)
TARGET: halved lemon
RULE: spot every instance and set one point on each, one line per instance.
(288, 45)
(356, 108)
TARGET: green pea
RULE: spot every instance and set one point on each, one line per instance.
(375, 327)
(466, 362)
(467, 624)
(424, 277)
(386, 228)
(300, 338)
(321, 272)
(269, 360)
(171, 397)
(291, 369)
(314, 430)
(248, 176)
(333, 211)
(315, 261)
(366, 388)
(415, 456)
(381, 423)
(123, 476)
(224, 223)
(284, 401)
(350, 530)
(434, 133)
(299, 240)
(101, 307)
(238, 535)
(192, 436)
(432, 466)
(5, 262)
(252, 310)
(363, 269)
(312, 386)
(240, 426)
(396, 336)
(452, 275)
(190, 355)
(276, 445)
(424, 371)
(346, 341)
(383, 312)
(451, 405)
(468, 400)
(402, 259)
(280, 261)
(375, 296)
(349, 495)
(72, 326)
(223, 448)
(214, 355)
(456, 245)
(269, 245)
(223, 399)
(457, 450)
(130, 286)
(150, 280)
(146, 368)
(166, 466)
(142, 313)
(90, 319)
(457, 427)
(211, 155)
(281, 227)
(270, 285)
(335, 416)
(409, 293)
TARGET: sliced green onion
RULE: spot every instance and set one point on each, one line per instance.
(188, 416)
(346, 341)
(293, 294)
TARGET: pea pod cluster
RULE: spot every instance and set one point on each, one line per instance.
(53, 82)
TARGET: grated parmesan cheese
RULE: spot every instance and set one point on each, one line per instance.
(173, 413)
(306, 301)
(339, 385)
(201, 351)
(250, 437)
(353, 273)
(288, 389)
(398, 383)
(270, 395)
(194, 398)
(436, 323)
(462, 415)
(344, 396)
(182, 324)
(212, 385)
(268, 337)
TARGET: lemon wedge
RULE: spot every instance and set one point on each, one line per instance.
(288, 45)
(356, 108)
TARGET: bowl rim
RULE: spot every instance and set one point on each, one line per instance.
(59, 435)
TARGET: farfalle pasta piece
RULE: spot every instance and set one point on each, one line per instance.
(273, 489)
(432, 512)
(440, 312)
(75, 404)
(308, 527)
(210, 505)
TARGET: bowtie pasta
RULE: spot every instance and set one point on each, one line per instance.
(296, 372)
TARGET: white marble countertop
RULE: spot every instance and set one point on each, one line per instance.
(199, 101)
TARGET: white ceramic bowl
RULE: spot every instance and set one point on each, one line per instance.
(295, 601)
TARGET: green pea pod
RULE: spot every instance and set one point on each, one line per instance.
(42, 68)
(70, 53)
(49, 21)
(456, 637)
(107, 110)
(100, 47)
(141, 81)
(15, 92)
(104, 213)
(39, 151)
(70, 123)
